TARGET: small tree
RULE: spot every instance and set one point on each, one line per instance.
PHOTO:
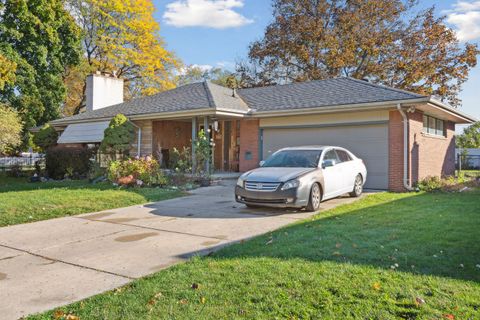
(118, 136)
(10, 128)
(45, 138)
(470, 138)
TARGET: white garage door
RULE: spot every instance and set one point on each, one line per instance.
(368, 142)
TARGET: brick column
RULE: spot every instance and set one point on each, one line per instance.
(249, 132)
(395, 152)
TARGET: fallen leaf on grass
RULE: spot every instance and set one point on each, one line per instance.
(376, 286)
(419, 301)
(203, 300)
(183, 301)
(338, 245)
(58, 314)
(269, 241)
(449, 316)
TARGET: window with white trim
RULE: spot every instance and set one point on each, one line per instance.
(434, 126)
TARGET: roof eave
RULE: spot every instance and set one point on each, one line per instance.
(452, 111)
(339, 108)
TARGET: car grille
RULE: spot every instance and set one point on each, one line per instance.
(261, 186)
(274, 201)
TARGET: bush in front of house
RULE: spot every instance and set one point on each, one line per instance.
(143, 171)
(118, 136)
(46, 138)
(63, 162)
(449, 183)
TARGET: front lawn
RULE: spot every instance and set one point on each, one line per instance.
(388, 256)
(21, 201)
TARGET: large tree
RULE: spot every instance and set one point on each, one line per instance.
(122, 38)
(38, 41)
(385, 41)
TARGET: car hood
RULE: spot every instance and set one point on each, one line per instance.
(272, 174)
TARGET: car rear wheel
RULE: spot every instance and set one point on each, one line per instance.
(315, 198)
(357, 187)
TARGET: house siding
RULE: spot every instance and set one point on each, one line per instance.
(427, 155)
(146, 142)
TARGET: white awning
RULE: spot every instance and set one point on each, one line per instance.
(91, 132)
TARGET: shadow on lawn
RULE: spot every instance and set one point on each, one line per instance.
(431, 234)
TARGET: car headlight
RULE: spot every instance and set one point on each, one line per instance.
(290, 184)
(240, 182)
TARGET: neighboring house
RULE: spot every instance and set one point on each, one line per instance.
(250, 124)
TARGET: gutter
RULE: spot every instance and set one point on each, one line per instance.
(406, 181)
(139, 138)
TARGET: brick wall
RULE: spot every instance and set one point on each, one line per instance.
(249, 131)
(146, 143)
(431, 155)
(428, 155)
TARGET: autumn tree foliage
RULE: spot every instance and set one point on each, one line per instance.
(121, 38)
(386, 41)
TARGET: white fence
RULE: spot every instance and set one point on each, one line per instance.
(6, 163)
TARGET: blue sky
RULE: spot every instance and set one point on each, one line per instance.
(218, 32)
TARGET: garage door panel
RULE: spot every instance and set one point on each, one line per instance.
(369, 142)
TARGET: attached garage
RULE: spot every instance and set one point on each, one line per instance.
(367, 141)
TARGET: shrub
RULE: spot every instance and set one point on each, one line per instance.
(118, 136)
(449, 183)
(64, 162)
(141, 171)
(181, 160)
(46, 138)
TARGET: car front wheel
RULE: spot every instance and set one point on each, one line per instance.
(357, 187)
(315, 198)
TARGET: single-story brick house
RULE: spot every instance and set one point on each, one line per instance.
(401, 136)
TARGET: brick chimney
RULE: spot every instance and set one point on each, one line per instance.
(103, 90)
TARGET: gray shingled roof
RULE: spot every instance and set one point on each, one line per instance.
(206, 95)
(320, 93)
(190, 97)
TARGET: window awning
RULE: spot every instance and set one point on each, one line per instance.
(91, 132)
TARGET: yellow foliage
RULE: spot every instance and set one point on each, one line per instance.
(7, 71)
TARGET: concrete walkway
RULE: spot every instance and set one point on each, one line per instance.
(51, 263)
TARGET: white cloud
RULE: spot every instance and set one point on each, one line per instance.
(465, 16)
(218, 14)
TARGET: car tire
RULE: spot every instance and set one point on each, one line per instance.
(315, 198)
(357, 187)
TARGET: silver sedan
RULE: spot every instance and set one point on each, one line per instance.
(302, 177)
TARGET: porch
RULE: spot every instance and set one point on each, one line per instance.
(233, 149)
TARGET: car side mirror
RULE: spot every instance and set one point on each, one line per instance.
(262, 163)
(328, 163)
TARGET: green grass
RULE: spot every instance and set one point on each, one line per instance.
(21, 201)
(337, 265)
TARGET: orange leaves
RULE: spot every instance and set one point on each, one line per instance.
(362, 38)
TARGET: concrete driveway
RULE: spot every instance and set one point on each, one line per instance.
(51, 263)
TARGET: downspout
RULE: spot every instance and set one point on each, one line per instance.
(139, 138)
(406, 182)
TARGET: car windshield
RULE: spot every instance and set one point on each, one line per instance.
(294, 159)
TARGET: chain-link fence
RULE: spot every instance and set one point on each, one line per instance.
(469, 164)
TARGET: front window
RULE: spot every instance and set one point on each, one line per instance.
(294, 159)
(433, 126)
